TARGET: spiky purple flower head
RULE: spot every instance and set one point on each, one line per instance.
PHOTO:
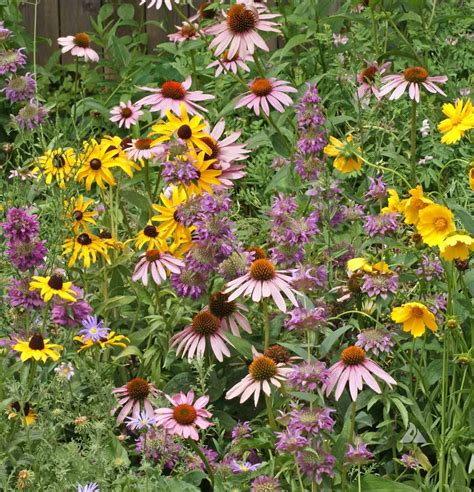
(27, 255)
(31, 115)
(381, 224)
(308, 376)
(19, 88)
(264, 483)
(314, 463)
(21, 296)
(20, 225)
(291, 440)
(375, 340)
(11, 60)
(312, 420)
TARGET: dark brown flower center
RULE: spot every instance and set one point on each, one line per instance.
(219, 305)
(205, 323)
(125, 143)
(150, 231)
(417, 312)
(213, 145)
(126, 112)
(258, 253)
(59, 161)
(240, 19)
(184, 414)
(368, 75)
(84, 239)
(95, 164)
(278, 354)
(173, 90)
(56, 282)
(226, 58)
(36, 342)
(138, 389)
(143, 143)
(105, 235)
(353, 356)
(415, 74)
(82, 40)
(185, 132)
(205, 12)
(152, 255)
(77, 214)
(261, 87)
(188, 31)
(263, 368)
(262, 270)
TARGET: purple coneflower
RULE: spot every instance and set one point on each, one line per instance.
(79, 45)
(186, 32)
(367, 79)
(133, 398)
(142, 148)
(159, 3)
(125, 114)
(157, 263)
(226, 64)
(229, 313)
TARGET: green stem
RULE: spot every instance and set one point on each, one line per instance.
(413, 143)
(374, 32)
(271, 417)
(147, 181)
(353, 417)
(266, 325)
(359, 483)
(298, 473)
(204, 460)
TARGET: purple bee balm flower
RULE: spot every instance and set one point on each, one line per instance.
(159, 446)
(180, 170)
(308, 278)
(315, 463)
(241, 431)
(358, 454)
(265, 483)
(4, 32)
(313, 420)
(308, 376)
(11, 60)
(243, 467)
(21, 296)
(70, 314)
(20, 88)
(410, 461)
(94, 330)
(20, 225)
(380, 285)
(235, 266)
(30, 116)
(353, 212)
(430, 269)
(377, 188)
(309, 167)
(194, 461)
(306, 319)
(27, 255)
(189, 283)
(291, 441)
(375, 340)
(381, 225)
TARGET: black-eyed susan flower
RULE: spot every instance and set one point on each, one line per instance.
(96, 162)
(149, 236)
(37, 348)
(53, 286)
(191, 130)
(435, 223)
(84, 247)
(460, 119)
(78, 214)
(207, 177)
(415, 317)
(411, 206)
(345, 153)
(109, 241)
(57, 165)
(457, 246)
(111, 340)
(25, 412)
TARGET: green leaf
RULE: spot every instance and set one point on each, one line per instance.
(126, 11)
(331, 339)
(402, 410)
(242, 346)
(130, 350)
(138, 199)
(105, 12)
(379, 484)
(290, 44)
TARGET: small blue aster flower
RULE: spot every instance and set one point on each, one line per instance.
(94, 330)
(243, 467)
(143, 421)
(88, 487)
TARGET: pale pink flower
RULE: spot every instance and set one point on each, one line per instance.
(159, 3)
(261, 281)
(170, 96)
(231, 64)
(412, 78)
(231, 173)
(187, 31)
(79, 45)
(158, 263)
(240, 30)
(205, 330)
(133, 397)
(126, 114)
(185, 416)
(339, 39)
(367, 81)
(356, 369)
(229, 313)
(142, 148)
(265, 93)
(263, 372)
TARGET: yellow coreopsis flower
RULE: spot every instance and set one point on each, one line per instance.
(57, 164)
(85, 247)
(346, 159)
(411, 207)
(394, 204)
(37, 348)
(415, 318)
(192, 131)
(355, 264)
(456, 246)
(460, 119)
(435, 223)
(53, 286)
(208, 177)
(78, 214)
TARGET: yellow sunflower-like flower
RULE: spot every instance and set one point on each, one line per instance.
(415, 318)
(78, 214)
(53, 286)
(57, 164)
(121, 158)
(109, 241)
(112, 340)
(411, 206)
(435, 223)
(460, 119)
(169, 217)
(28, 416)
(356, 264)
(85, 247)
(184, 128)
(208, 177)
(456, 246)
(37, 348)
(149, 236)
(394, 204)
(346, 159)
